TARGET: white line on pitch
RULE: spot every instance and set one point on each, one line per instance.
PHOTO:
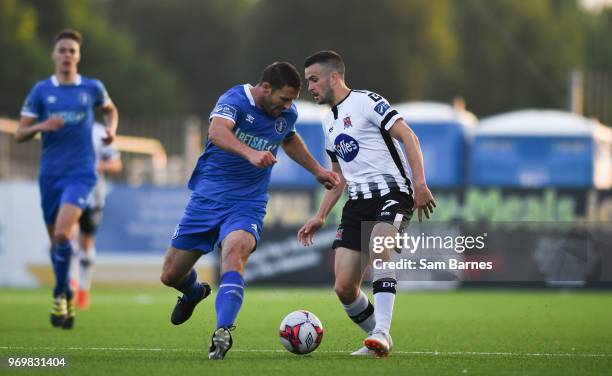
(443, 353)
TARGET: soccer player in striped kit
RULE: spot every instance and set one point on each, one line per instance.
(362, 134)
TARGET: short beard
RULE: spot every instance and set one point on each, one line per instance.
(328, 98)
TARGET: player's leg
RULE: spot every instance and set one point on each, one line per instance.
(179, 272)
(73, 273)
(235, 250)
(394, 212)
(88, 224)
(348, 269)
(59, 309)
(194, 236)
(50, 198)
(67, 218)
(73, 201)
(383, 283)
(349, 266)
(65, 222)
(239, 234)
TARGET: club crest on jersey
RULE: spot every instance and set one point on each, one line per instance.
(346, 147)
(280, 124)
(83, 98)
(51, 99)
(347, 122)
(381, 108)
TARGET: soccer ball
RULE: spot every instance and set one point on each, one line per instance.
(301, 332)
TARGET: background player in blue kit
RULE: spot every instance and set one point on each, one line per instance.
(62, 109)
(229, 193)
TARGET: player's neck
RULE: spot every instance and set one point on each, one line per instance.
(257, 95)
(340, 94)
(67, 77)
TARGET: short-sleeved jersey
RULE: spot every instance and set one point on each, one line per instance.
(69, 150)
(224, 176)
(357, 137)
(103, 153)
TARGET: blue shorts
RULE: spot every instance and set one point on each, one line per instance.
(58, 190)
(206, 223)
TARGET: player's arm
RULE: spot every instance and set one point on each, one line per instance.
(28, 127)
(423, 199)
(220, 133)
(331, 197)
(295, 148)
(112, 166)
(111, 120)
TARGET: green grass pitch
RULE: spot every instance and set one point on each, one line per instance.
(128, 331)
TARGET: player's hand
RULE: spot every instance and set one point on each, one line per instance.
(262, 159)
(328, 179)
(52, 124)
(110, 137)
(423, 201)
(306, 233)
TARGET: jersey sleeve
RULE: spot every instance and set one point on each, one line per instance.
(378, 111)
(294, 115)
(227, 107)
(101, 97)
(33, 106)
(291, 132)
(329, 149)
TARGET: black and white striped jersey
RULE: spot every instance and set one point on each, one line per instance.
(357, 137)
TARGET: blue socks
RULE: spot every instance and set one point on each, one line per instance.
(60, 258)
(229, 298)
(191, 288)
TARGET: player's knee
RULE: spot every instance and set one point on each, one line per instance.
(346, 293)
(167, 278)
(233, 260)
(61, 237)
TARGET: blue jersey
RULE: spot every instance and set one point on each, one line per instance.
(68, 151)
(224, 176)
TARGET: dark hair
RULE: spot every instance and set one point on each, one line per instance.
(330, 58)
(69, 34)
(279, 74)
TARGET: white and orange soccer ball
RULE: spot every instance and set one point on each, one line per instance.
(301, 332)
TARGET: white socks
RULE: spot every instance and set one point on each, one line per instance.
(86, 268)
(383, 308)
(361, 312)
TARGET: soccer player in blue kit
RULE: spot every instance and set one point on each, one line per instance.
(230, 191)
(62, 109)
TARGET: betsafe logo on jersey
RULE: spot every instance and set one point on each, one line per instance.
(346, 146)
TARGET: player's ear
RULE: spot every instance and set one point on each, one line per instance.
(266, 88)
(333, 78)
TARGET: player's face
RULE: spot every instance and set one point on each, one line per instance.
(319, 86)
(278, 100)
(66, 55)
